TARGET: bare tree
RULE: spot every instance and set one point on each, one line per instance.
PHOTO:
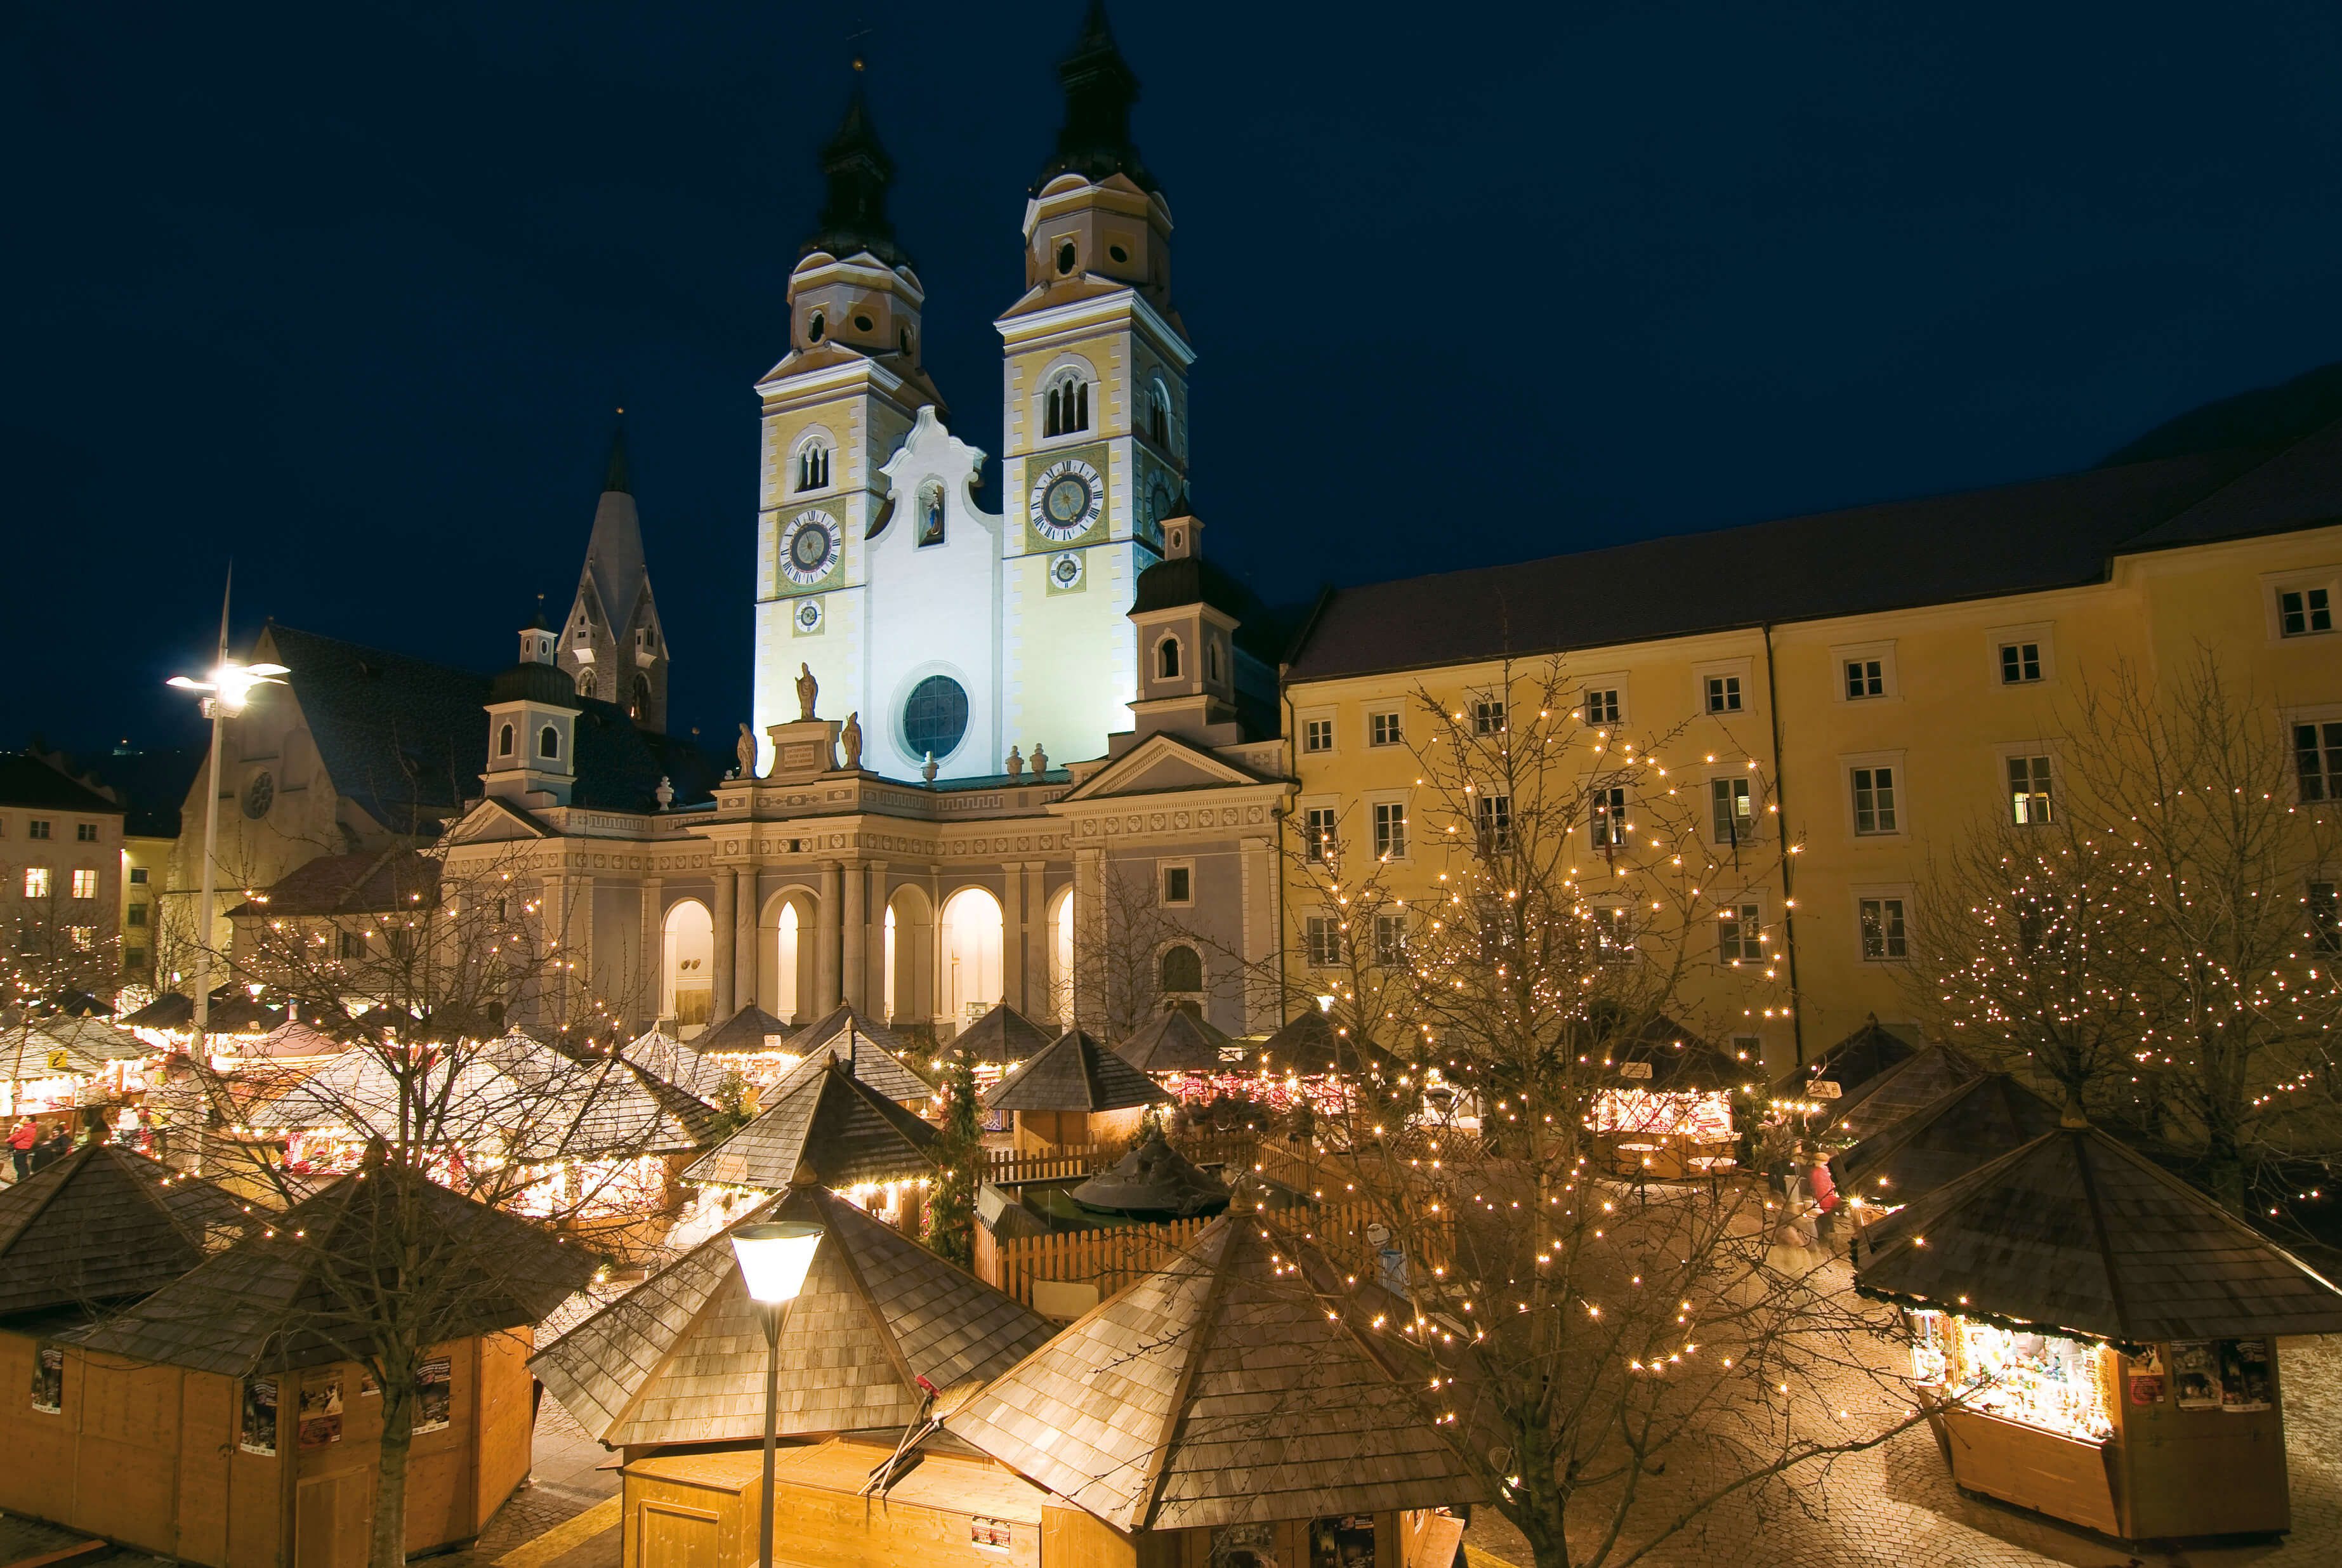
(1120, 968)
(1618, 1358)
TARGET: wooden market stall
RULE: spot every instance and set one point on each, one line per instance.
(1970, 1125)
(56, 1065)
(842, 1133)
(1178, 1045)
(1916, 1083)
(871, 1064)
(1249, 1421)
(2096, 1340)
(1074, 1093)
(751, 1043)
(1842, 1077)
(1000, 1037)
(221, 1420)
(1672, 1110)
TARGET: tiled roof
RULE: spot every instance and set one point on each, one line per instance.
(1852, 1063)
(271, 1301)
(2300, 488)
(837, 1020)
(1970, 1125)
(103, 1225)
(1308, 1044)
(1075, 1073)
(673, 1062)
(845, 1130)
(40, 1047)
(1910, 1086)
(868, 1060)
(1221, 1389)
(1177, 1042)
(2075, 1234)
(369, 881)
(1003, 1034)
(2017, 538)
(405, 738)
(28, 782)
(681, 1357)
(749, 1032)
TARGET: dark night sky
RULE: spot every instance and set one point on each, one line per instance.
(351, 291)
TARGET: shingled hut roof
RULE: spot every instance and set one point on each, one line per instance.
(168, 1011)
(868, 1060)
(104, 1224)
(749, 1032)
(1902, 1090)
(270, 1300)
(669, 1061)
(680, 1358)
(1075, 1073)
(1970, 1125)
(1312, 1046)
(1177, 1042)
(1220, 1389)
(1855, 1065)
(2075, 1234)
(840, 1019)
(845, 1130)
(40, 1048)
(1003, 1034)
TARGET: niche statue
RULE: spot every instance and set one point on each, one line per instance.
(850, 737)
(806, 688)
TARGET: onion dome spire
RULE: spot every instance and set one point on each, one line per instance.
(1100, 87)
(853, 214)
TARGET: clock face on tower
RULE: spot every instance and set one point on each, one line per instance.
(809, 548)
(1066, 500)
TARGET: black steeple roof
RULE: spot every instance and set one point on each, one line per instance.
(853, 214)
(1100, 87)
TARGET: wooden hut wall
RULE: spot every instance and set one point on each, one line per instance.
(149, 1456)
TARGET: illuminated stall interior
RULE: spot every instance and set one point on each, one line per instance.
(1671, 1109)
(2097, 1339)
(51, 1065)
(1074, 1094)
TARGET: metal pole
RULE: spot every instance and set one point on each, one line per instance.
(211, 843)
(771, 1314)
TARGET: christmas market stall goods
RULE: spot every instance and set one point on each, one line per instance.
(1669, 1113)
(1841, 1078)
(882, 1336)
(1970, 1125)
(257, 1353)
(2097, 1339)
(834, 1129)
(751, 1043)
(49, 1066)
(1075, 1093)
(1248, 1419)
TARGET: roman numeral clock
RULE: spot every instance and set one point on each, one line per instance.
(1067, 501)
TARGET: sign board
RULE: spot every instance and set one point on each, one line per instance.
(1633, 1069)
(1824, 1089)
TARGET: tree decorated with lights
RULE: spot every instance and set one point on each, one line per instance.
(2159, 935)
(1617, 1359)
(950, 1219)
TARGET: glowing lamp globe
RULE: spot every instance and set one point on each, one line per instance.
(774, 1258)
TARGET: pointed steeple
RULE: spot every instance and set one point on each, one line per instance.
(1100, 87)
(854, 213)
(614, 477)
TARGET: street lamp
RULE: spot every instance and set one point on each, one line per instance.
(774, 1258)
(226, 690)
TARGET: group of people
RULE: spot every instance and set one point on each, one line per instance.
(35, 1144)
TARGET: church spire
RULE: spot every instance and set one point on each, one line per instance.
(854, 213)
(1100, 87)
(614, 477)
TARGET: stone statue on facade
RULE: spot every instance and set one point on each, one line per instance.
(928, 770)
(850, 737)
(1015, 764)
(747, 748)
(1040, 760)
(806, 688)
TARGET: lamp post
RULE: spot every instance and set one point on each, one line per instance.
(227, 689)
(774, 1258)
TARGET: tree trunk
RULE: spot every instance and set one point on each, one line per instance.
(2224, 1167)
(388, 1549)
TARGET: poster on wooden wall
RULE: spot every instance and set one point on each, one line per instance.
(1244, 1546)
(258, 1432)
(49, 1380)
(321, 1410)
(434, 1394)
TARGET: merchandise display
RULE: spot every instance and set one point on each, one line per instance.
(2040, 1380)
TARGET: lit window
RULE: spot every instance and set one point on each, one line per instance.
(2326, 916)
(1488, 716)
(2028, 791)
(1602, 706)
(1383, 729)
(84, 937)
(993, 1533)
(1318, 736)
(1874, 799)
(1741, 938)
(1496, 824)
(2301, 612)
(1724, 693)
(36, 881)
(1881, 929)
(36, 828)
(1390, 829)
(1322, 934)
(1733, 806)
(1317, 834)
(85, 832)
(1607, 821)
(1614, 926)
(1390, 941)
(2317, 758)
(85, 883)
(2019, 662)
(1178, 886)
(1866, 678)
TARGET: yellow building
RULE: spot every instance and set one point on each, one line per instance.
(1895, 674)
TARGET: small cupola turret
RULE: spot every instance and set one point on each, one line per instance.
(533, 711)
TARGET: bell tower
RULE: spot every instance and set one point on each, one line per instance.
(1095, 440)
(836, 407)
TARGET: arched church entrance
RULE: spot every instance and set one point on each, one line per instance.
(687, 965)
(910, 959)
(970, 977)
(784, 953)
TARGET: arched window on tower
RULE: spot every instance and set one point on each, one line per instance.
(1159, 415)
(1166, 659)
(1183, 969)
(1067, 407)
(548, 742)
(641, 702)
(504, 741)
(813, 466)
(1211, 659)
(585, 684)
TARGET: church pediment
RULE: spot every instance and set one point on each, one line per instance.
(1161, 766)
(494, 820)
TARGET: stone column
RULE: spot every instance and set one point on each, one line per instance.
(827, 932)
(1089, 935)
(653, 980)
(719, 1002)
(553, 924)
(1012, 936)
(1257, 861)
(874, 952)
(855, 918)
(744, 940)
(585, 989)
(1038, 999)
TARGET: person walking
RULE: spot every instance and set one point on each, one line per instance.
(21, 1139)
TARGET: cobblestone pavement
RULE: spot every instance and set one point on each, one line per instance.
(1896, 1507)
(551, 1521)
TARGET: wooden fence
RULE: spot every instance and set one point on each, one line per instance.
(1014, 1165)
